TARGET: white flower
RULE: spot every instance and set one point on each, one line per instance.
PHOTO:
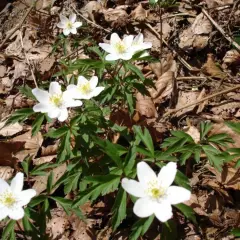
(55, 102)
(13, 198)
(85, 89)
(118, 49)
(139, 45)
(156, 195)
(69, 25)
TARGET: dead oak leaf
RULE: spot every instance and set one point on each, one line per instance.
(10, 129)
(145, 106)
(6, 172)
(139, 13)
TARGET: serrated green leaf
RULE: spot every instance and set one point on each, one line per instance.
(57, 133)
(36, 125)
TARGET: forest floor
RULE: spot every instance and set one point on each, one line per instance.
(197, 43)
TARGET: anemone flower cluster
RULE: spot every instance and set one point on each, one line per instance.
(13, 198)
(69, 25)
(124, 48)
(155, 193)
(56, 102)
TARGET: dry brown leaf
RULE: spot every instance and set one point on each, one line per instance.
(112, 15)
(226, 109)
(139, 13)
(10, 130)
(40, 184)
(217, 3)
(163, 86)
(211, 68)
(50, 149)
(195, 35)
(20, 69)
(194, 133)
(145, 106)
(90, 8)
(57, 226)
(232, 57)
(3, 70)
(5, 85)
(222, 128)
(8, 149)
(14, 48)
(31, 144)
(18, 101)
(166, 64)
(41, 160)
(229, 177)
(186, 98)
(6, 172)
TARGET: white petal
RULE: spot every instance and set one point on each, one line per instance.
(145, 173)
(41, 95)
(55, 88)
(63, 115)
(63, 19)
(167, 174)
(82, 80)
(107, 47)
(163, 211)
(72, 17)
(177, 194)
(97, 91)
(3, 213)
(3, 186)
(77, 24)
(66, 31)
(73, 103)
(61, 25)
(71, 86)
(138, 39)
(54, 113)
(126, 56)
(93, 82)
(114, 39)
(133, 187)
(146, 45)
(112, 57)
(25, 197)
(144, 207)
(128, 40)
(17, 183)
(41, 107)
(16, 213)
(73, 31)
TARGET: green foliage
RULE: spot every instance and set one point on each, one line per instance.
(20, 115)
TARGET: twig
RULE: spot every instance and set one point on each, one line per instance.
(89, 21)
(190, 78)
(221, 30)
(202, 100)
(28, 62)
(18, 25)
(189, 67)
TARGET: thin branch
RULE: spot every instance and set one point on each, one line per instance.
(28, 62)
(189, 67)
(221, 30)
(89, 21)
(18, 25)
(171, 111)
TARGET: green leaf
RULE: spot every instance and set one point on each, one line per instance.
(184, 157)
(235, 126)
(140, 227)
(145, 137)
(27, 91)
(187, 211)
(135, 70)
(110, 185)
(58, 132)
(119, 209)
(36, 125)
(8, 230)
(20, 115)
(182, 180)
(130, 101)
(169, 231)
(130, 160)
(205, 127)
(236, 232)
(50, 182)
(36, 200)
(114, 151)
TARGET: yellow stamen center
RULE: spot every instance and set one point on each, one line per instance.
(85, 88)
(7, 199)
(69, 25)
(56, 99)
(120, 47)
(154, 190)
